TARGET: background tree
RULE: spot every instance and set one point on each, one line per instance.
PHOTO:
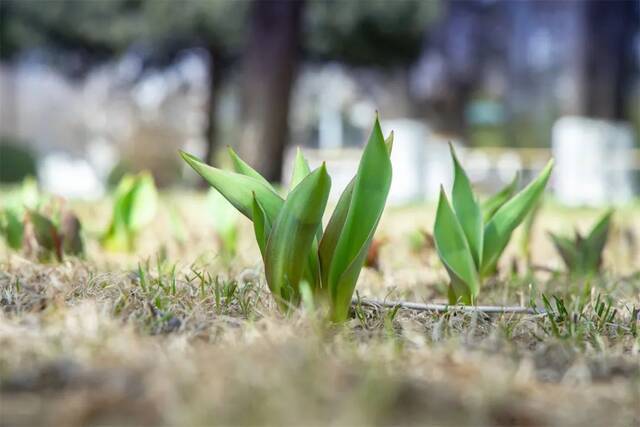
(86, 33)
(269, 68)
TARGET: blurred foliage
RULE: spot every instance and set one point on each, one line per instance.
(16, 161)
(100, 29)
(358, 32)
(378, 33)
(135, 206)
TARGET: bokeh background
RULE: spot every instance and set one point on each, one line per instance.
(92, 89)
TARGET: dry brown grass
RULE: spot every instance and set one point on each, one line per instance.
(90, 343)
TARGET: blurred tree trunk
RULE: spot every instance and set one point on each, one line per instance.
(215, 82)
(268, 76)
(609, 29)
(451, 66)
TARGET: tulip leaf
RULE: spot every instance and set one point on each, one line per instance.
(135, 206)
(497, 231)
(596, 240)
(293, 233)
(142, 202)
(237, 188)
(368, 197)
(583, 255)
(300, 169)
(334, 229)
(455, 253)
(243, 168)
(389, 143)
(12, 228)
(567, 250)
(261, 226)
(46, 234)
(467, 209)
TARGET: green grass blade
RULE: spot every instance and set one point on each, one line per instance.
(453, 249)
(495, 202)
(498, 230)
(368, 198)
(293, 233)
(238, 189)
(243, 168)
(300, 169)
(467, 209)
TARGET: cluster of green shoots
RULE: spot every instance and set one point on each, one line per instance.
(40, 225)
(135, 205)
(301, 259)
(583, 254)
(470, 237)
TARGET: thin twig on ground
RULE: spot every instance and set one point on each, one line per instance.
(442, 308)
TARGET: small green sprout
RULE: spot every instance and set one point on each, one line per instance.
(12, 228)
(55, 237)
(136, 200)
(13, 210)
(583, 255)
(471, 237)
(296, 251)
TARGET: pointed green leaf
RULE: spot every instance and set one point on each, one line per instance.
(261, 226)
(300, 169)
(595, 242)
(293, 233)
(243, 168)
(389, 143)
(498, 230)
(121, 203)
(453, 249)
(13, 229)
(142, 202)
(368, 198)
(334, 230)
(467, 209)
(237, 188)
(567, 251)
(347, 282)
(46, 234)
(493, 203)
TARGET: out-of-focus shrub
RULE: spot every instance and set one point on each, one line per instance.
(16, 161)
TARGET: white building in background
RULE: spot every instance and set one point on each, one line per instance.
(594, 161)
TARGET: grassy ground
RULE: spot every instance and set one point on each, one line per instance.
(178, 335)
